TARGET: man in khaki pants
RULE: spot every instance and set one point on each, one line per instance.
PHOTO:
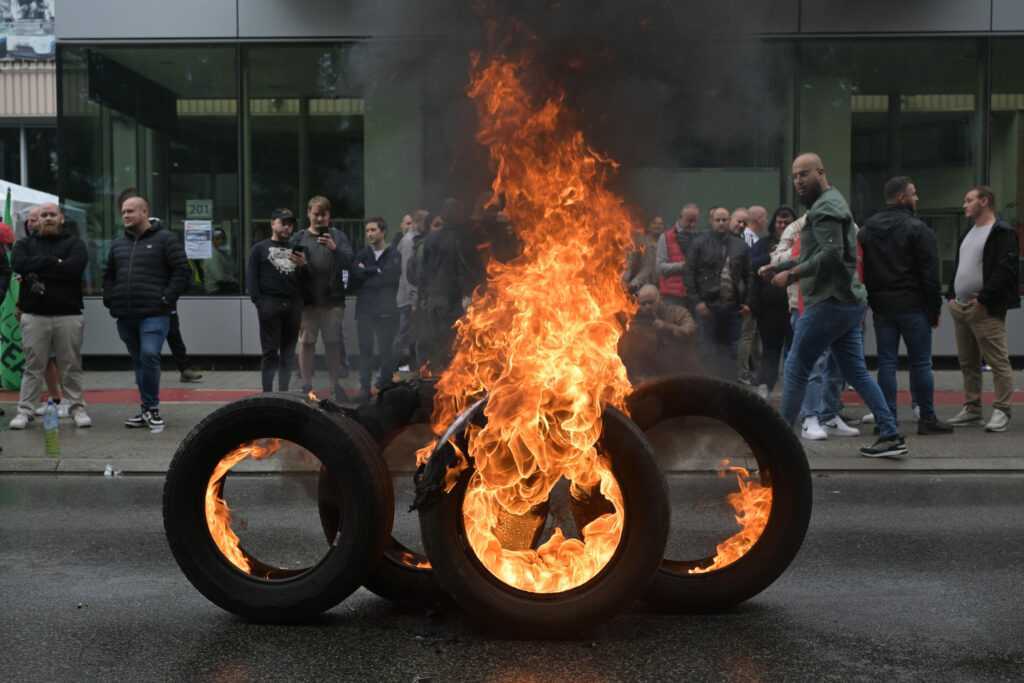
(50, 263)
(983, 288)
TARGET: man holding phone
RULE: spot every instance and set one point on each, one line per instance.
(276, 277)
(328, 254)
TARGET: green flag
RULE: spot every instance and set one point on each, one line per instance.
(12, 360)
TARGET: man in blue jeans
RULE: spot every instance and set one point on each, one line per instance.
(901, 274)
(834, 303)
(145, 274)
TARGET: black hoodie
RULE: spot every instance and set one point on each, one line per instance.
(901, 263)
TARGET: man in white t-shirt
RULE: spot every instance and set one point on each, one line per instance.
(984, 286)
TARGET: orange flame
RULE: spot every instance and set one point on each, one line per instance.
(753, 504)
(410, 560)
(542, 336)
(218, 514)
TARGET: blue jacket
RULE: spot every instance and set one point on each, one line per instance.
(376, 283)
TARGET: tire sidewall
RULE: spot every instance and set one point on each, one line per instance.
(366, 508)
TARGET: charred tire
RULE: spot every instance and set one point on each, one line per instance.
(511, 611)
(782, 464)
(356, 468)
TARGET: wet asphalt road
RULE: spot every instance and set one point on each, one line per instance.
(911, 576)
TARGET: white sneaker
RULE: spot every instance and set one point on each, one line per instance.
(762, 391)
(20, 421)
(1000, 422)
(868, 419)
(836, 427)
(62, 409)
(82, 419)
(812, 431)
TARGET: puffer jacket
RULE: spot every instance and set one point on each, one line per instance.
(145, 274)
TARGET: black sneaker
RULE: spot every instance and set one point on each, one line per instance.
(152, 417)
(339, 394)
(306, 389)
(137, 421)
(935, 426)
(886, 447)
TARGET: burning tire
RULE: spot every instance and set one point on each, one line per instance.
(513, 611)
(271, 592)
(782, 466)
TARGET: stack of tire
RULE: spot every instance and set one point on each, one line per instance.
(356, 504)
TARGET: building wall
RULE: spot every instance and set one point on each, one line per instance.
(825, 107)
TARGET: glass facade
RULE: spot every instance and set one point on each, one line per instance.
(382, 127)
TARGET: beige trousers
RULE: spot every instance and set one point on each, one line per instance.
(980, 335)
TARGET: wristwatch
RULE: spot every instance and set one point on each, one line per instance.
(792, 277)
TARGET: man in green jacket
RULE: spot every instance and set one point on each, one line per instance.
(834, 303)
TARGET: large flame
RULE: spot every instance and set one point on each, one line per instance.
(753, 504)
(218, 514)
(541, 338)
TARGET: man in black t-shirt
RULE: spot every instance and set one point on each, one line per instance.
(275, 279)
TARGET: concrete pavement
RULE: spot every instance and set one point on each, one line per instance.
(112, 398)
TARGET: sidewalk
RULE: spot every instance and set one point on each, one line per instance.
(112, 398)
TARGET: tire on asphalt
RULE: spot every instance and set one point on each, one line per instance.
(511, 611)
(403, 575)
(366, 508)
(782, 464)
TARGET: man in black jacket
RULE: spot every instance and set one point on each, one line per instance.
(717, 275)
(375, 279)
(50, 263)
(145, 274)
(275, 278)
(901, 274)
(984, 286)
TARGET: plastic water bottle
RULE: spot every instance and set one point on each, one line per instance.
(51, 427)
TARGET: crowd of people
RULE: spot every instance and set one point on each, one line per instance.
(746, 292)
(736, 297)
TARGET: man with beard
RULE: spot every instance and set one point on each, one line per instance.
(901, 274)
(275, 278)
(375, 281)
(50, 263)
(717, 274)
(834, 303)
(671, 254)
(983, 288)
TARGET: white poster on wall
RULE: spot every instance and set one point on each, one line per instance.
(198, 239)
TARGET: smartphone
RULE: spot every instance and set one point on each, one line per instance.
(296, 250)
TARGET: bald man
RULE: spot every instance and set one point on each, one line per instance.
(50, 262)
(660, 339)
(834, 303)
(758, 223)
(146, 273)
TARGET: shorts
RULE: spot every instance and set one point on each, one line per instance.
(322, 320)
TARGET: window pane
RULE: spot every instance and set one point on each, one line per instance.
(42, 158)
(304, 135)
(10, 154)
(155, 121)
(877, 109)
